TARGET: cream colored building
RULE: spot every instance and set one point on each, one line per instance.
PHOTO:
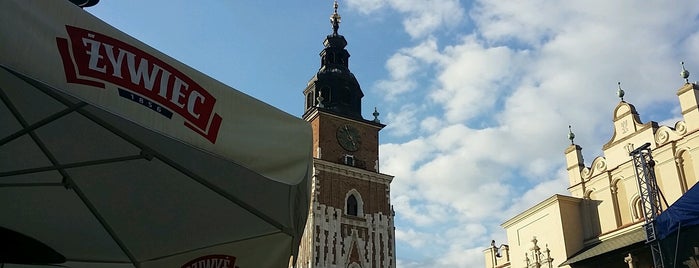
(600, 223)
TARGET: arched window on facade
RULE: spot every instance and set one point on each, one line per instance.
(622, 201)
(592, 227)
(687, 175)
(354, 206)
(637, 208)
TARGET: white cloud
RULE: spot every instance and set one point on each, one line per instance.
(422, 17)
(492, 135)
(431, 124)
(538, 193)
(414, 238)
(366, 6)
(401, 68)
(472, 79)
(462, 257)
(425, 16)
(405, 67)
(526, 21)
(404, 121)
(420, 213)
(401, 160)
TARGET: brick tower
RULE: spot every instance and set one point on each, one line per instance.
(350, 222)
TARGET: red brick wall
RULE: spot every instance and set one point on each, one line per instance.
(324, 136)
(334, 188)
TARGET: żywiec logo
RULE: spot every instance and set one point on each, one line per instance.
(92, 58)
(211, 261)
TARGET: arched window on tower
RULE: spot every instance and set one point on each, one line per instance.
(309, 100)
(352, 205)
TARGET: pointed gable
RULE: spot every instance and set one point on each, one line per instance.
(628, 129)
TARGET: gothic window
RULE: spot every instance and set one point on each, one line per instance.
(352, 205)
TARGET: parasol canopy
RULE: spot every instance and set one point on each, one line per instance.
(113, 154)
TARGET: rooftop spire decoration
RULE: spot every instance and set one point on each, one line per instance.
(376, 115)
(341, 92)
(571, 136)
(335, 19)
(685, 74)
(320, 99)
(620, 92)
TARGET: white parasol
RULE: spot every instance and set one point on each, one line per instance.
(113, 154)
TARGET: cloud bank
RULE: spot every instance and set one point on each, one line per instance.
(481, 137)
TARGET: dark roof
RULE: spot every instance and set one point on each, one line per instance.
(608, 245)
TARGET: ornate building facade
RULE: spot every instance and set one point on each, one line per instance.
(350, 222)
(601, 223)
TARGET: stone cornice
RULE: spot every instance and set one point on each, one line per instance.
(315, 112)
(686, 87)
(571, 148)
(538, 207)
(622, 230)
(352, 172)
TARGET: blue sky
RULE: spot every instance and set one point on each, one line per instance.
(477, 95)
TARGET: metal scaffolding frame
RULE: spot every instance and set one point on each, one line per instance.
(651, 197)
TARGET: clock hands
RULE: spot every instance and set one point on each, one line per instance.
(350, 137)
(354, 144)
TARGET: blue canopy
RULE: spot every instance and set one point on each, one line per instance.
(684, 212)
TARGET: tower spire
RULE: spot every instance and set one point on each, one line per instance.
(339, 88)
(335, 19)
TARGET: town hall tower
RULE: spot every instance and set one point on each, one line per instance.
(350, 222)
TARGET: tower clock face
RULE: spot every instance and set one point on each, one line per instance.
(348, 137)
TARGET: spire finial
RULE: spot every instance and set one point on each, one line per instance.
(620, 92)
(335, 19)
(685, 74)
(376, 116)
(571, 136)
